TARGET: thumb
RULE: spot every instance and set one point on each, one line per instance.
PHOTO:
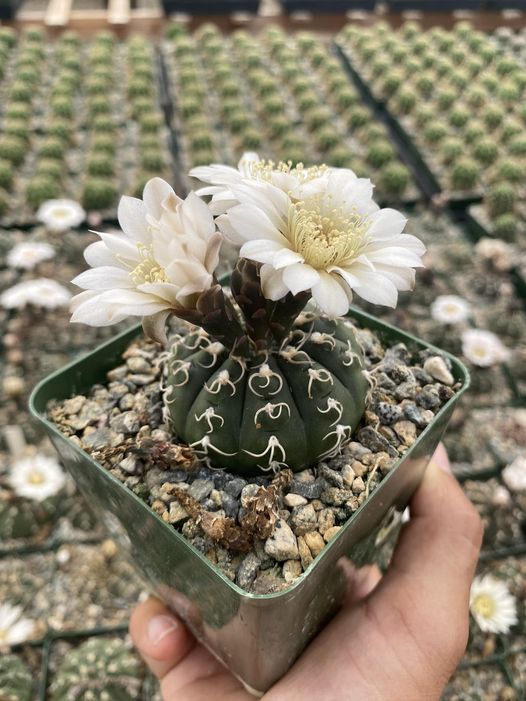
(435, 559)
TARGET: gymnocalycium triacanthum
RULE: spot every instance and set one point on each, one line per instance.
(260, 380)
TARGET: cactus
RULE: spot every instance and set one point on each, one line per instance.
(6, 174)
(100, 164)
(509, 170)
(49, 168)
(59, 129)
(103, 124)
(476, 97)
(517, 146)
(98, 193)
(394, 179)
(52, 148)
(99, 105)
(445, 98)
(493, 117)
(23, 518)
(501, 199)
(380, 153)
(251, 138)
(20, 92)
(459, 116)
(405, 100)
(465, 174)
(486, 151)
(4, 202)
(152, 159)
(101, 668)
(12, 149)
(435, 132)
(327, 138)
(451, 149)
(505, 226)
(340, 157)
(474, 131)
(41, 188)
(103, 143)
(16, 127)
(16, 679)
(235, 387)
(17, 110)
(358, 117)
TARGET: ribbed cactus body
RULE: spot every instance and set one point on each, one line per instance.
(22, 518)
(16, 680)
(100, 669)
(289, 406)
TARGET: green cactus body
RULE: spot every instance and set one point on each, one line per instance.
(100, 669)
(16, 680)
(291, 406)
(23, 518)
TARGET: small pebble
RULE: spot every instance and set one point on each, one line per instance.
(406, 431)
(282, 544)
(303, 519)
(304, 553)
(330, 533)
(291, 570)
(437, 368)
(315, 542)
(293, 500)
(200, 489)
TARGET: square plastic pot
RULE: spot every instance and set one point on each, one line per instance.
(258, 637)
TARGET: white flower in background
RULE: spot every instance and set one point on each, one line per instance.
(27, 254)
(450, 309)
(164, 258)
(499, 253)
(61, 215)
(483, 348)
(326, 235)
(514, 475)
(501, 496)
(13, 628)
(41, 292)
(37, 477)
(491, 605)
(251, 167)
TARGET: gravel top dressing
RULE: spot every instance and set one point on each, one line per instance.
(261, 532)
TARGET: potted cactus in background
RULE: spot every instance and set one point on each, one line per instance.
(258, 431)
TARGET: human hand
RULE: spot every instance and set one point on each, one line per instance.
(397, 638)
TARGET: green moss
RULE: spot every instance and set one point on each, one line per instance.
(12, 149)
(501, 199)
(40, 189)
(465, 174)
(98, 193)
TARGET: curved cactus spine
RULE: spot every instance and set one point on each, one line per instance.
(293, 399)
(16, 680)
(102, 669)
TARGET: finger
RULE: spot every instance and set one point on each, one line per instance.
(360, 582)
(159, 636)
(437, 553)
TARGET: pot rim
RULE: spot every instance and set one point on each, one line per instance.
(366, 320)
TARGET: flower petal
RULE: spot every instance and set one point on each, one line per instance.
(260, 250)
(155, 192)
(131, 214)
(386, 223)
(330, 296)
(103, 278)
(272, 284)
(300, 277)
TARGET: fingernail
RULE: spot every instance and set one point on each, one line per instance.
(161, 626)
(441, 460)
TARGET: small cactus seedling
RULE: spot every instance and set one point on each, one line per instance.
(16, 680)
(101, 669)
(501, 199)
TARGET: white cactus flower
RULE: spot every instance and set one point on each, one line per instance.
(165, 257)
(514, 474)
(41, 292)
(498, 252)
(28, 254)
(491, 605)
(37, 477)
(60, 215)
(323, 233)
(450, 309)
(14, 629)
(251, 167)
(483, 348)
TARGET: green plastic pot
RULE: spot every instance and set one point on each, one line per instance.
(258, 637)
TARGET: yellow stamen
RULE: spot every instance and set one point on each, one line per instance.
(264, 170)
(3, 635)
(148, 270)
(35, 477)
(326, 236)
(484, 605)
